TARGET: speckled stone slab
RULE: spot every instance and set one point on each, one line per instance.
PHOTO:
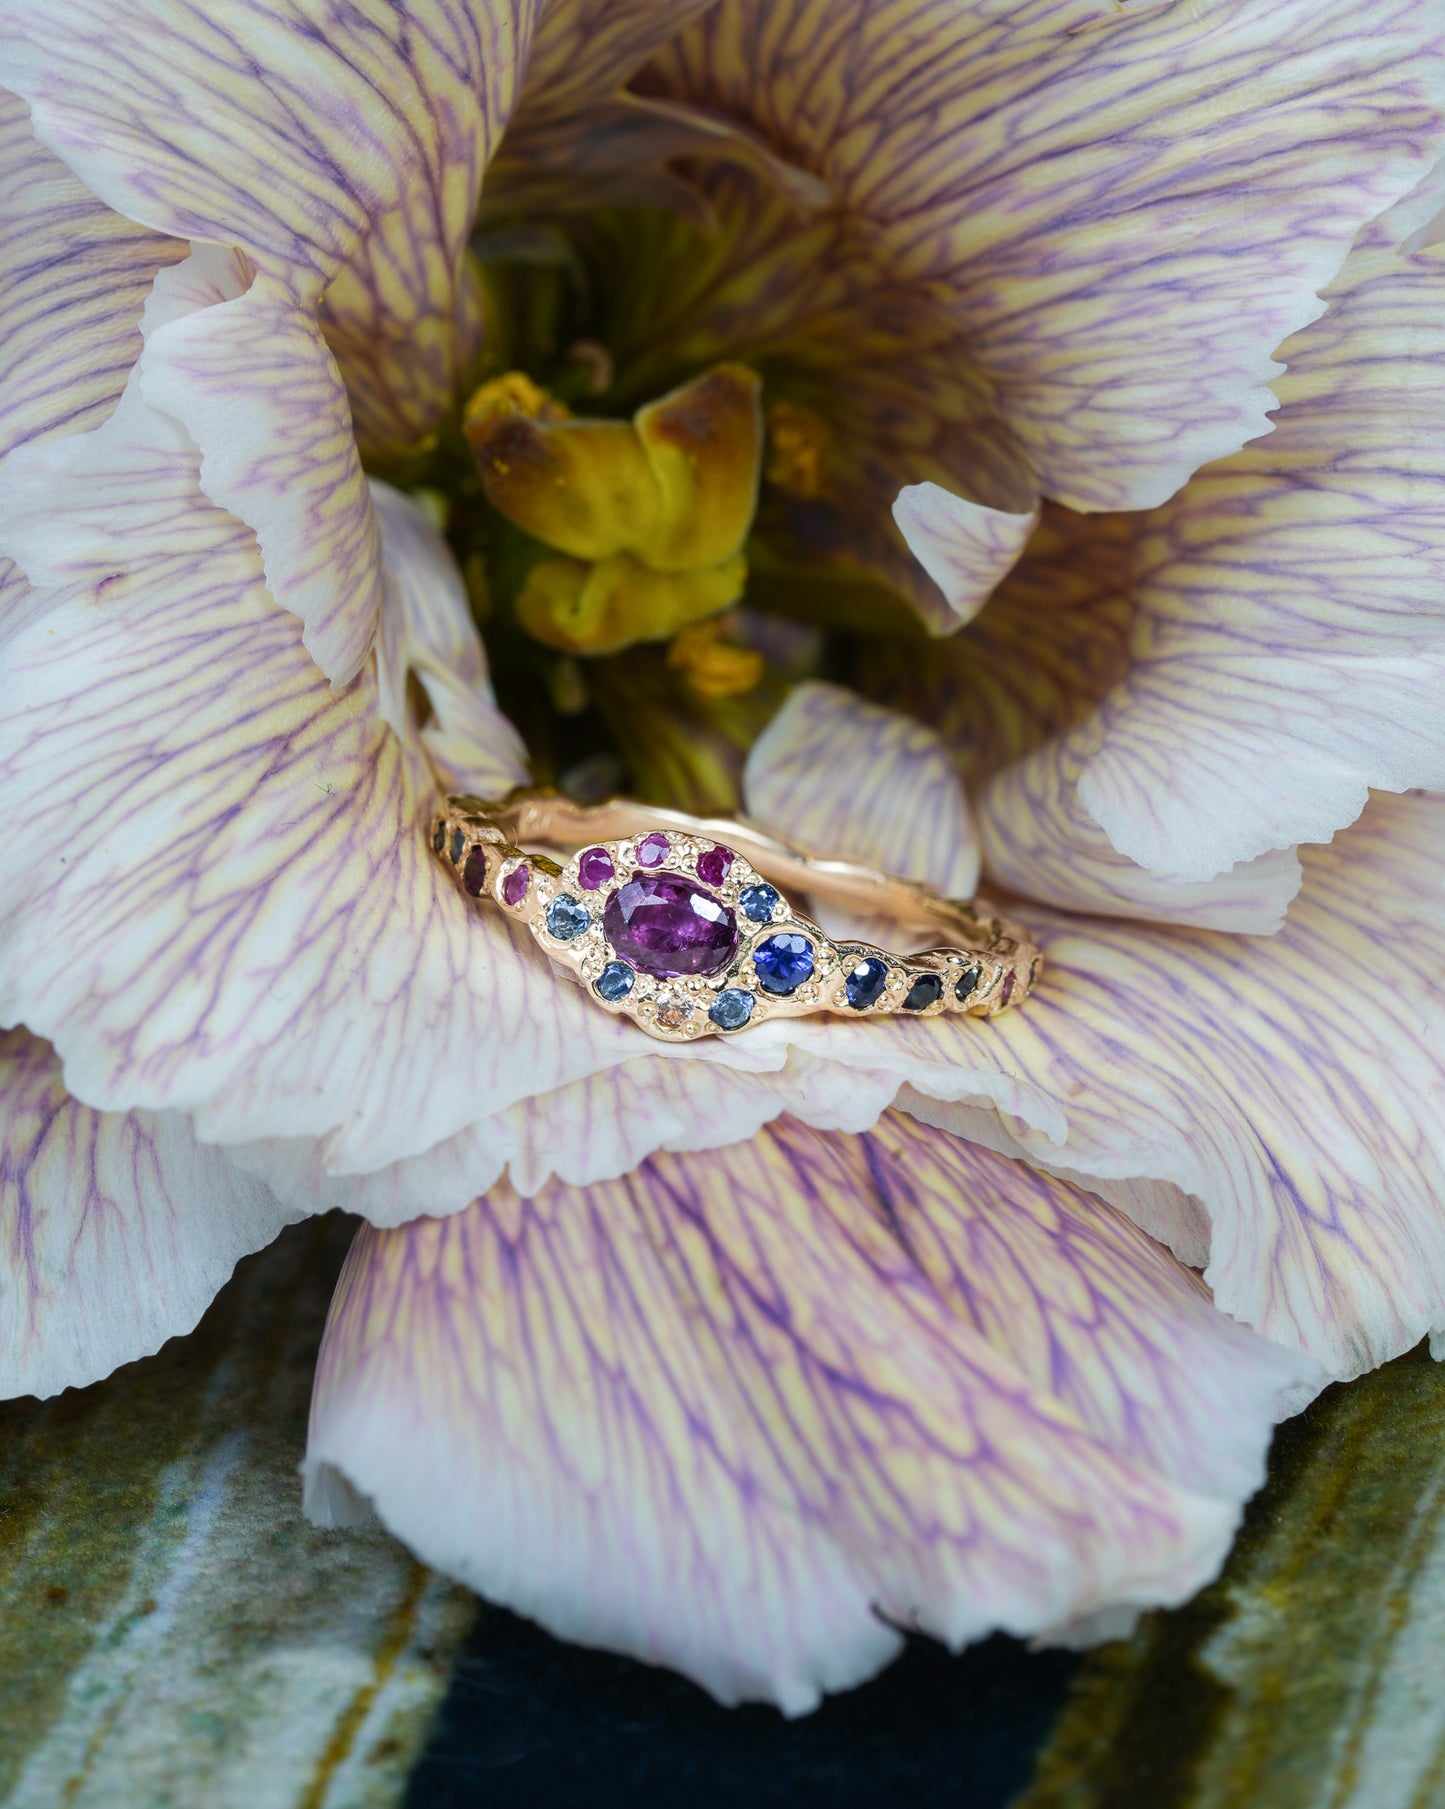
(172, 1632)
(1312, 1675)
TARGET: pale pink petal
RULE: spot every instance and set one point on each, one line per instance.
(341, 153)
(1112, 215)
(1293, 1086)
(745, 1414)
(118, 1228)
(427, 634)
(843, 777)
(73, 280)
(1289, 642)
(1038, 840)
(965, 548)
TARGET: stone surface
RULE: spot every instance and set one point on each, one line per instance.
(568, 917)
(665, 925)
(865, 984)
(758, 902)
(652, 850)
(1310, 1675)
(732, 1008)
(595, 869)
(173, 1633)
(784, 962)
(514, 886)
(714, 866)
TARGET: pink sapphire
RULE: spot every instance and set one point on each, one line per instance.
(714, 866)
(652, 849)
(594, 869)
(514, 886)
(665, 925)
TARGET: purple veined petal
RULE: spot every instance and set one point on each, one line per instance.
(738, 1413)
(211, 130)
(1038, 840)
(1289, 1086)
(279, 953)
(74, 278)
(965, 548)
(118, 1227)
(1290, 635)
(1119, 216)
(427, 631)
(843, 777)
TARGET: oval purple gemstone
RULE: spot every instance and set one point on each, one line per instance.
(514, 886)
(666, 925)
(595, 869)
(652, 849)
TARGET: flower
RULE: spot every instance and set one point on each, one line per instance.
(709, 1351)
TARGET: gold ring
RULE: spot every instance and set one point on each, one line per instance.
(676, 921)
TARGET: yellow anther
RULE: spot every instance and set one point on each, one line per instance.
(511, 395)
(712, 666)
(797, 449)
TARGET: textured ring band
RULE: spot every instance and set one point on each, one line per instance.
(675, 920)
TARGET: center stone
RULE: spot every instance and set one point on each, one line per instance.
(665, 925)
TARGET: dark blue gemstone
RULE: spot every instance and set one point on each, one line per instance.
(866, 982)
(757, 902)
(784, 962)
(439, 837)
(967, 980)
(615, 981)
(733, 1008)
(926, 990)
(567, 918)
(459, 842)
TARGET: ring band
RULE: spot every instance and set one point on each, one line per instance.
(674, 920)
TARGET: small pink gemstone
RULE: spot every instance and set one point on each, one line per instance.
(595, 868)
(514, 886)
(713, 867)
(652, 849)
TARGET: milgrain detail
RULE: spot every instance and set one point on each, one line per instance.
(644, 1395)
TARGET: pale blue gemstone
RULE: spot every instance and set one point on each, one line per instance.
(566, 917)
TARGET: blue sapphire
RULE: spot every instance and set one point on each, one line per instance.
(458, 846)
(733, 1008)
(758, 902)
(567, 918)
(866, 983)
(926, 990)
(615, 981)
(783, 962)
(967, 981)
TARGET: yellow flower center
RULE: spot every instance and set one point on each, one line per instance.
(649, 515)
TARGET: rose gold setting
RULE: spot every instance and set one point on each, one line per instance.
(987, 967)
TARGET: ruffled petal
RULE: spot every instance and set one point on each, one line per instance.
(74, 278)
(1290, 632)
(1038, 840)
(843, 777)
(428, 635)
(326, 143)
(965, 548)
(342, 155)
(219, 894)
(1116, 215)
(1292, 1087)
(118, 1228)
(746, 1414)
